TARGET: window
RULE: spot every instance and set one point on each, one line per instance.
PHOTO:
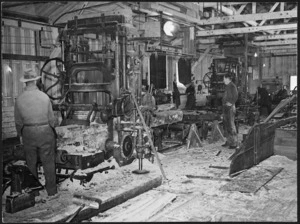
(184, 70)
(158, 71)
(293, 82)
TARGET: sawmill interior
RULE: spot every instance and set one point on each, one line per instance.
(149, 111)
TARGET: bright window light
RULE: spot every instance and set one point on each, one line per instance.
(293, 82)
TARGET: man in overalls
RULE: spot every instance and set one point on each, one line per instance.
(35, 121)
(229, 110)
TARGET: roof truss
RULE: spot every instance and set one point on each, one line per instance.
(243, 18)
(292, 26)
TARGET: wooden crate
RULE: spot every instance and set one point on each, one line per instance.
(285, 143)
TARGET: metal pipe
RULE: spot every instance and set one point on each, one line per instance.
(124, 62)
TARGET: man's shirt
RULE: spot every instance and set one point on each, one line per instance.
(230, 94)
(33, 107)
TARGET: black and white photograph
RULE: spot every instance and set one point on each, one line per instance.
(117, 111)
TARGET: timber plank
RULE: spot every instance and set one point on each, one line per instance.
(286, 133)
(288, 151)
(8, 115)
(252, 180)
(285, 142)
(262, 143)
(142, 207)
(10, 109)
(111, 192)
(123, 195)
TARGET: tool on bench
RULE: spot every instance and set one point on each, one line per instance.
(86, 177)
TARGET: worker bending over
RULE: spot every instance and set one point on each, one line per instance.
(35, 120)
(229, 110)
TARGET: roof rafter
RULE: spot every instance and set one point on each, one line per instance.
(291, 26)
(274, 37)
(278, 42)
(243, 18)
(271, 10)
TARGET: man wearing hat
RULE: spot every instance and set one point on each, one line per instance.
(35, 120)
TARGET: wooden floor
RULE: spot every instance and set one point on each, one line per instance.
(266, 192)
(111, 188)
(198, 188)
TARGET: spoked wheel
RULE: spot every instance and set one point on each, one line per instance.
(124, 154)
(206, 79)
(54, 78)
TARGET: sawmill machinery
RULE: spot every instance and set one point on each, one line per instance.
(93, 82)
(213, 80)
(91, 87)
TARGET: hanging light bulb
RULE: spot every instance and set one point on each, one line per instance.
(255, 54)
(170, 28)
(264, 65)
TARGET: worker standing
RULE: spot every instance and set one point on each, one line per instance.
(35, 121)
(229, 99)
(191, 98)
(176, 94)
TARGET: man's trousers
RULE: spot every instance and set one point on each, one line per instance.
(40, 141)
(229, 125)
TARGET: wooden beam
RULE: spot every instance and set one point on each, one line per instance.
(253, 7)
(292, 26)
(281, 51)
(243, 18)
(271, 10)
(279, 42)
(279, 47)
(204, 46)
(238, 12)
(274, 37)
(246, 64)
(159, 8)
(282, 4)
(206, 41)
(201, 58)
(213, 4)
(24, 57)
(24, 16)
(285, 53)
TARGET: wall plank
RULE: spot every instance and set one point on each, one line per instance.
(283, 67)
(17, 41)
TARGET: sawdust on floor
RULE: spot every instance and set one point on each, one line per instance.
(202, 200)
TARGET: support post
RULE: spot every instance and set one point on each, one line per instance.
(246, 63)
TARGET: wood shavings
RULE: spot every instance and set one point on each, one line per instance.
(83, 140)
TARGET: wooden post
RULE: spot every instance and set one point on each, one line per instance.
(246, 63)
